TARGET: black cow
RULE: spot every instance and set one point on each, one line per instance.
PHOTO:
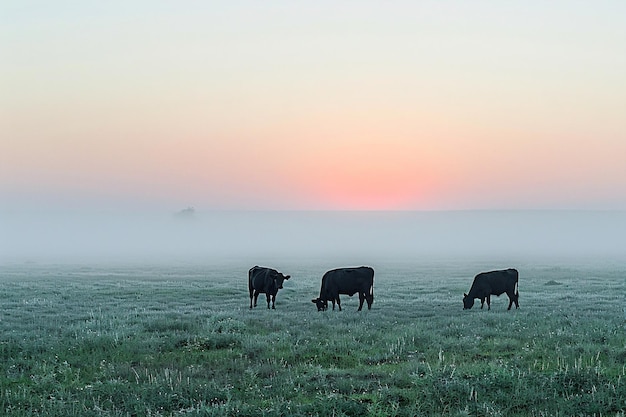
(495, 282)
(347, 281)
(265, 280)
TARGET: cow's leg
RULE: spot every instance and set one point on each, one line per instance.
(361, 299)
(338, 303)
(274, 301)
(482, 302)
(511, 298)
(256, 297)
(489, 302)
(267, 297)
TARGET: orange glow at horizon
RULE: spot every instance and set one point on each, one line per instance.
(355, 194)
(384, 175)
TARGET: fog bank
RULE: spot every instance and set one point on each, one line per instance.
(359, 236)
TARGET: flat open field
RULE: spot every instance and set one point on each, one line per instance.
(179, 339)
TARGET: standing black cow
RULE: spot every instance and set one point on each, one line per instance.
(267, 281)
(347, 281)
(495, 282)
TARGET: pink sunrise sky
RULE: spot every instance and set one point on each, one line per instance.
(357, 105)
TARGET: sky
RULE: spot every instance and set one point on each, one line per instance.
(325, 105)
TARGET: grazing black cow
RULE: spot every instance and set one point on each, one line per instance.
(495, 282)
(267, 281)
(347, 281)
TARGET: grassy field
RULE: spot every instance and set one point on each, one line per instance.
(180, 340)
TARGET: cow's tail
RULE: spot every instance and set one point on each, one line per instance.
(250, 279)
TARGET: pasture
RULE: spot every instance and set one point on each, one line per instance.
(180, 340)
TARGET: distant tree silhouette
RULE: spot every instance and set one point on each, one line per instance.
(187, 213)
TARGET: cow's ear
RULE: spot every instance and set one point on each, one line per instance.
(287, 276)
(314, 301)
(464, 295)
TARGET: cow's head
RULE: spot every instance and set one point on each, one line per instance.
(321, 304)
(468, 302)
(279, 279)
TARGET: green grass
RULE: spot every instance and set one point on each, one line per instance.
(180, 340)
